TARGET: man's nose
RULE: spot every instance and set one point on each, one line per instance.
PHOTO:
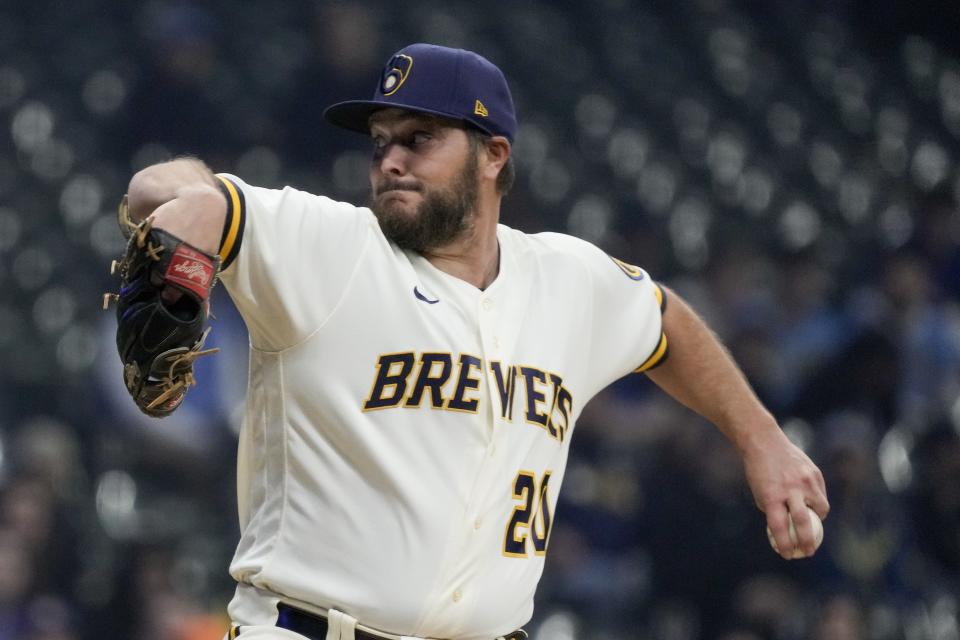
(393, 160)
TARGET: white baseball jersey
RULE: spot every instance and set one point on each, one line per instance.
(406, 433)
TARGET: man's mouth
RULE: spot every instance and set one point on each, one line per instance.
(397, 189)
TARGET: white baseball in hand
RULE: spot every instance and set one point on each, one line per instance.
(797, 551)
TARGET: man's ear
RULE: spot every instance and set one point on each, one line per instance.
(497, 151)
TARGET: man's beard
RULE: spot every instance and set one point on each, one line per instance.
(445, 213)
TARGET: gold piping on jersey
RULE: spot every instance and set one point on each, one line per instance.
(459, 401)
(542, 514)
(383, 379)
(534, 396)
(633, 272)
(657, 357)
(529, 518)
(659, 354)
(562, 401)
(426, 381)
(661, 299)
(234, 224)
(514, 547)
(506, 382)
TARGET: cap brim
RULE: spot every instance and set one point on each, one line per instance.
(354, 115)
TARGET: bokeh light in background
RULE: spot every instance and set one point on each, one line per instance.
(791, 168)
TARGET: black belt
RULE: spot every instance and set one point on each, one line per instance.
(315, 627)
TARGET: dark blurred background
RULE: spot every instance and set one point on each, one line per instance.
(790, 167)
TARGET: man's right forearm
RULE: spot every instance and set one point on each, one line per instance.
(183, 198)
(160, 183)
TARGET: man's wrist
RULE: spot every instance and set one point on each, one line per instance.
(755, 433)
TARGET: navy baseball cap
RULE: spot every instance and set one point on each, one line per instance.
(427, 78)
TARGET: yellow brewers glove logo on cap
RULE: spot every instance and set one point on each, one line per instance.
(395, 74)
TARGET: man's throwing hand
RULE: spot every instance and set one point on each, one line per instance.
(784, 482)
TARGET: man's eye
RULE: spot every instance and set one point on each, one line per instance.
(420, 137)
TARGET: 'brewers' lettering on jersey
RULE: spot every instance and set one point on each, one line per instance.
(406, 379)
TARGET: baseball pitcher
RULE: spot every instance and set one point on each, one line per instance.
(416, 367)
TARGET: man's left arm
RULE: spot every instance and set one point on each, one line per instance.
(701, 374)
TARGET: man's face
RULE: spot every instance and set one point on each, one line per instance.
(423, 177)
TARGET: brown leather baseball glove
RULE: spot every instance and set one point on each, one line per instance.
(162, 309)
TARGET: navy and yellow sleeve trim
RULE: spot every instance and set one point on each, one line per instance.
(661, 297)
(659, 355)
(656, 358)
(234, 224)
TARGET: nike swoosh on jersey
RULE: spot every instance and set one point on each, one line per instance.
(420, 296)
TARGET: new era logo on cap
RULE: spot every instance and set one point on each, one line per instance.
(427, 78)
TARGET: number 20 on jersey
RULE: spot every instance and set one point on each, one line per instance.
(531, 518)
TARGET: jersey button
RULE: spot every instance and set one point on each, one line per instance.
(487, 304)
(477, 523)
(457, 595)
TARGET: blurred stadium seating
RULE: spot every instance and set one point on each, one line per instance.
(791, 168)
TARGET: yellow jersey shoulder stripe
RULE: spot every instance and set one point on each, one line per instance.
(659, 354)
(234, 224)
(656, 358)
(661, 297)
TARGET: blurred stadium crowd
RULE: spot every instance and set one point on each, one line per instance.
(791, 168)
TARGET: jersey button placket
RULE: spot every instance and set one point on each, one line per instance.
(487, 324)
(491, 342)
